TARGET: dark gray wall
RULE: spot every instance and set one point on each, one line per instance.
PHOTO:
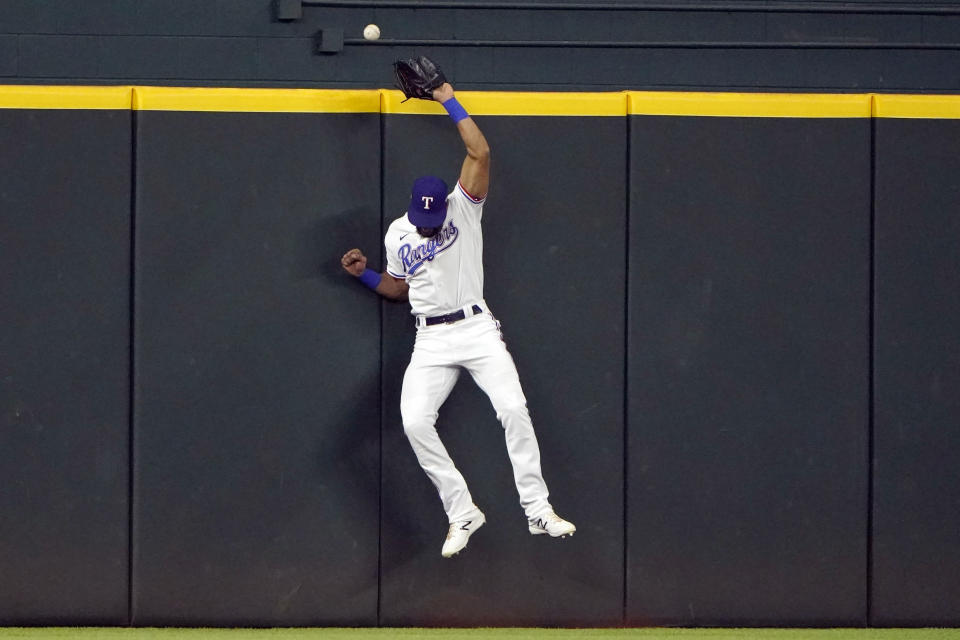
(743, 403)
(832, 46)
(748, 364)
(546, 261)
(916, 507)
(257, 371)
(64, 366)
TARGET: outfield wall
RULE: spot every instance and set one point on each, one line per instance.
(732, 316)
(65, 221)
(561, 45)
(747, 364)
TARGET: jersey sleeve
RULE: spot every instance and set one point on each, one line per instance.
(394, 266)
(467, 202)
(469, 197)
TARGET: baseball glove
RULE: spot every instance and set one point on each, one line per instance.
(418, 77)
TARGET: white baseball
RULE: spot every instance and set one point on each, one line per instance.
(371, 32)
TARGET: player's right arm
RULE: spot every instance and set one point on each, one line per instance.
(355, 263)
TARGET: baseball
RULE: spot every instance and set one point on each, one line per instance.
(371, 32)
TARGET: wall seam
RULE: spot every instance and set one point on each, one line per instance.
(131, 495)
(626, 363)
(380, 303)
(871, 360)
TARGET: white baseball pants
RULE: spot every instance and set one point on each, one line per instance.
(439, 353)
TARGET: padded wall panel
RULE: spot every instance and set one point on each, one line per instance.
(862, 46)
(64, 365)
(554, 260)
(257, 370)
(916, 517)
(747, 381)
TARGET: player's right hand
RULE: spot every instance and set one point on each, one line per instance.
(354, 262)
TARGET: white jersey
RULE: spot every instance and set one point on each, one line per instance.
(445, 272)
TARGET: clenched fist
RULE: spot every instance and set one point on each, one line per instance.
(354, 262)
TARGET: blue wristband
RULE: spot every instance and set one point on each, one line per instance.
(456, 110)
(370, 278)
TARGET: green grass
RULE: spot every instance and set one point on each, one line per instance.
(92, 633)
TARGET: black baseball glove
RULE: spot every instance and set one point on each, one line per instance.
(418, 77)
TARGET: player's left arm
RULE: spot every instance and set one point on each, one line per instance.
(475, 173)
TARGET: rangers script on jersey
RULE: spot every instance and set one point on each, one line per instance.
(445, 272)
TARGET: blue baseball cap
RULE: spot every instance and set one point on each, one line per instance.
(428, 202)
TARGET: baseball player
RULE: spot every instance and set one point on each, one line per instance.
(434, 260)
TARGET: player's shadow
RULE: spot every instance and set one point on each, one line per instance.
(380, 475)
(320, 245)
(373, 457)
(357, 449)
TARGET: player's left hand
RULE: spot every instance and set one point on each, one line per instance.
(354, 262)
(418, 77)
(443, 93)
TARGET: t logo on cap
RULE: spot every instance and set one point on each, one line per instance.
(428, 202)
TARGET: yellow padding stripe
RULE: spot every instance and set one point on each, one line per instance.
(906, 106)
(256, 100)
(54, 97)
(509, 103)
(749, 105)
(746, 105)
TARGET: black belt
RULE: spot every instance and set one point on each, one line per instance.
(451, 317)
